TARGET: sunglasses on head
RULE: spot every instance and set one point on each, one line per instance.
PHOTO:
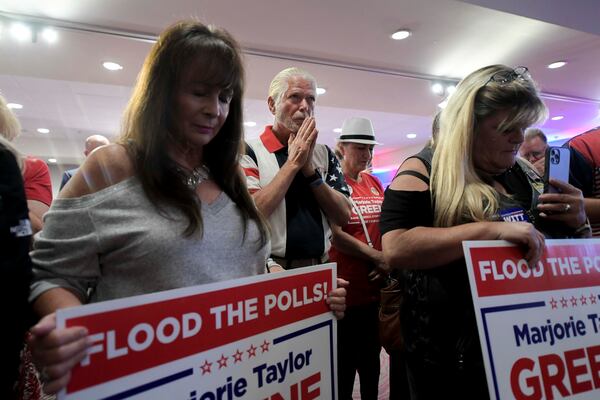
(504, 77)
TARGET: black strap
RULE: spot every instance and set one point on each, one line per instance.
(415, 174)
(355, 137)
(250, 152)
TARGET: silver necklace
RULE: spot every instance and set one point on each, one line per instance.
(195, 177)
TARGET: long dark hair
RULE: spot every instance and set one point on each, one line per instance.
(147, 125)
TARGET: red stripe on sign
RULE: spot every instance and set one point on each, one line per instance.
(503, 270)
(141, 337)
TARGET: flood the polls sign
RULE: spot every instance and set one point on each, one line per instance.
(264, 337)
(539, 327)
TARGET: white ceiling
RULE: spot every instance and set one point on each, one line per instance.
(344, 43)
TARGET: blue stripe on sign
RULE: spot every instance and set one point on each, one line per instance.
(150, 385)
(484, 314)
(301, 332)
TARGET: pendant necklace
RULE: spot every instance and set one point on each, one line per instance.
(195, 177)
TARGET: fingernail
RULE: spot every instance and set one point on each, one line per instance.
(543, 215)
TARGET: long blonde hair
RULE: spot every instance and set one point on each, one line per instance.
(459, 194)
(10, 128)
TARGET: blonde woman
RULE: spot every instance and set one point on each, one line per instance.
(15, 266)
(475, 186)
(36, 176)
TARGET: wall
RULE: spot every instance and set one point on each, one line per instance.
(386, 164)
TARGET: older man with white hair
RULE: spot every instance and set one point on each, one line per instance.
(296, 183)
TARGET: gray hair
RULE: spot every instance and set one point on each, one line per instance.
(532, 133)
(280, 82)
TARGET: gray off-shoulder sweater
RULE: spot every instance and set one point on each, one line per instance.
(115, 243)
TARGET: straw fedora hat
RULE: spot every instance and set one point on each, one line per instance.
(358, 130)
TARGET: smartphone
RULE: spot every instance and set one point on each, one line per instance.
(556, 166)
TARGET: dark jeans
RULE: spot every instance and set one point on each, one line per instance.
(398, 376)
(433, 381)
(358, 351)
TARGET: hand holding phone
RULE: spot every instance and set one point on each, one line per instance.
(557, 165)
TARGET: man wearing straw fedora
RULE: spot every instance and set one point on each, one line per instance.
(296, 183)
(356, 247)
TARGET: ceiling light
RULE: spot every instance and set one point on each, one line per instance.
(401, 34)
(50, 35)
(437, 88)
(52, 160)
(250, 123)
(321, 91)
(557, 64)
(411, 135)
(450, 89)
(443, 104)
(43, 130)
(112, 66)
(338, 130)
(557, 118)
(14, 106)
(20, 31)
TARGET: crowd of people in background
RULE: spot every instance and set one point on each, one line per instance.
(182, 199)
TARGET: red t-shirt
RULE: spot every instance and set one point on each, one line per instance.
(368, 196)
(36, 180)
(588, 144)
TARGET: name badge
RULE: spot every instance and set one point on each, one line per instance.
(516, 214)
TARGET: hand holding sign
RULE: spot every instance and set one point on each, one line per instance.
(337, 298)
(58, 350)
(539, 325)
(523, 234)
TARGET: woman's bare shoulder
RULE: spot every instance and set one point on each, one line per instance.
(409, 182)
(104, 167)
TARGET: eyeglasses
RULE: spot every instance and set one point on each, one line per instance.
(504, 77)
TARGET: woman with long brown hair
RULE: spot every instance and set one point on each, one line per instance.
(165, 208)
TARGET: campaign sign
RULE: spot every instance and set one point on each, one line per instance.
(263, 337)
(539, 326)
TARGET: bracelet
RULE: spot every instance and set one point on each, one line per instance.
(316, 182)
(583, 228)
(270, 263)
(315, 179)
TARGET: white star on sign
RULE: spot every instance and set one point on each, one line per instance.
(332, 178)
(339, 169)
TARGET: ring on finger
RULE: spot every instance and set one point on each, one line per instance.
(567, 207)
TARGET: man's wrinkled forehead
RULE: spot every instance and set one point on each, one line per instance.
(536, 143)
(298, 84)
